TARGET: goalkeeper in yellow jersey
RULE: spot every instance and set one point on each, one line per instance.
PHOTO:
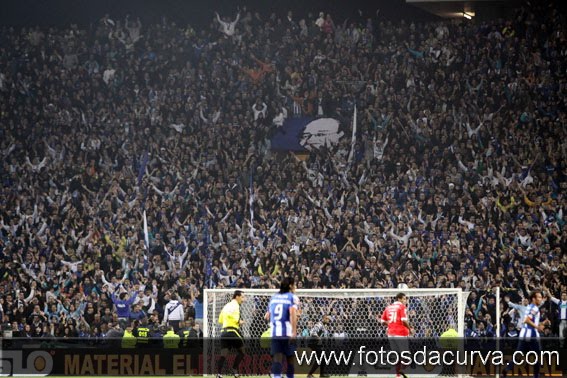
(231, 336)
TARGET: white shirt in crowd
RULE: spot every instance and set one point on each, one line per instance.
(173, 311)
(281, 117)
(228, 28)
(257, 111)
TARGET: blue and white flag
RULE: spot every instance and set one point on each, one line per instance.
(146, 235)
(251, 200)
(353, 139)
(142, 168)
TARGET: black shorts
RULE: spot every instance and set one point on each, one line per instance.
(231, 340)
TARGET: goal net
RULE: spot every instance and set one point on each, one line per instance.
(353, 313)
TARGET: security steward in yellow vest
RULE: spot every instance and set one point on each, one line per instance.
(142, 333)
(128, 339)
(231, 337)
(171, 340)
(449, 340)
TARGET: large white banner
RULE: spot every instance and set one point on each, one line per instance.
(321, 132)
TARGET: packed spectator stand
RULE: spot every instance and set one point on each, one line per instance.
(457, 179)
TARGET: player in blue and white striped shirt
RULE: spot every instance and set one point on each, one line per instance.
(529, 334)
(283, 312)
(531, 326)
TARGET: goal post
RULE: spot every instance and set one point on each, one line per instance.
(430, 311)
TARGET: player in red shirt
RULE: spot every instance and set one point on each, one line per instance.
(395, 317)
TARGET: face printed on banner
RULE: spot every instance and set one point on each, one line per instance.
(321, 132)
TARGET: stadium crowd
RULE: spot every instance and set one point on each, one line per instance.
(457, 177)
